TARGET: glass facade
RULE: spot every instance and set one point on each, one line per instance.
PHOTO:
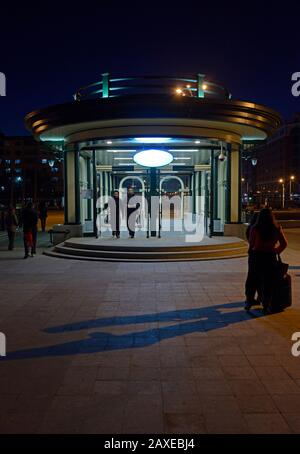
(197, 179)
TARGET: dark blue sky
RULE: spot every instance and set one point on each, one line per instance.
(48, 49)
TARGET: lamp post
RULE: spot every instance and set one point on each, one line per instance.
(247, 185)
(292, 178)
(281, 181)
(247, 188)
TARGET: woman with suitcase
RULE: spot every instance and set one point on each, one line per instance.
(266, 242)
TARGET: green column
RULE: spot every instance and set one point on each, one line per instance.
(95, 195)
(194, 184)
(89, 187)
(154, 184)
(212, 196)
(77, 185)
(105, 85)
(215, 186)
(200, 80)
(66, 214)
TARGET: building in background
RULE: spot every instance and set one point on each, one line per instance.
(275, 176)
(29, 171)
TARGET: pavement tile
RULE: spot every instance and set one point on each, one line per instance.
(172, 349)
(267, 423)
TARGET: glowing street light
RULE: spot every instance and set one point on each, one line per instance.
(281, 181)
(247, 185)
(292, 178)
(204, 87)
(179, 91)
(189, 88)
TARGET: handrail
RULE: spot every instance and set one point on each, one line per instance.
(199, 87)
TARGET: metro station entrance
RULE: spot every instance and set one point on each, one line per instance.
(193, 186)
(165, 137)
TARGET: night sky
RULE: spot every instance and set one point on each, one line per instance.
(49, 49)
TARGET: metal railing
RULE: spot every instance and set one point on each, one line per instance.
(198, 86)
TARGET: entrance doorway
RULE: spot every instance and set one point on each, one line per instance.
(173, 186)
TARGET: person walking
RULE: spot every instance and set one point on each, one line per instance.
(43, 214)
(131, 208)
(11, 223)
(266, 241)
(29, 221)
(115, 215)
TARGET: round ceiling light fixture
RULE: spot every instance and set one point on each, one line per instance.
(153, 158)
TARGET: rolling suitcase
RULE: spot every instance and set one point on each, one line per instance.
(282, 295)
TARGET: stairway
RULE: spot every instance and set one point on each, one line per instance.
(72, 249)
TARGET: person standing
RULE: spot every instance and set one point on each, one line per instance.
(43, 214)
(132, 206)
(29, 221)
(251, 286)
(11, 223)
(266, 241)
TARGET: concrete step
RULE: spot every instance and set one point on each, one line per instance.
(141, 260)
(160, 248)
(77, 250)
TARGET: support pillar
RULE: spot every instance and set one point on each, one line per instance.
(234, 226)
(235, 184)
(95, 193)
(89, 187)
(107, 191)
(154, 179)
(211, 193)
(72, 192)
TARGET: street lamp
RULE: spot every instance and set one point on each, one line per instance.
(281, 181)
(187, 89)
(292, 178)
(247, 185)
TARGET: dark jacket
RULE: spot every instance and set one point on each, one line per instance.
(29, 220)
(11, 222)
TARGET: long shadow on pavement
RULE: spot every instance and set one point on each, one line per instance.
(186, 321)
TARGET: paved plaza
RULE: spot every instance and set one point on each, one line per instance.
(127, 348)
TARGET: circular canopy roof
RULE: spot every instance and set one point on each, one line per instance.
(143, 115)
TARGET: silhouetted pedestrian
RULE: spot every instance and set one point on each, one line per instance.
(11, 223)
(29, 221)
(116, 215)
(266, 241)
(43, 214)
